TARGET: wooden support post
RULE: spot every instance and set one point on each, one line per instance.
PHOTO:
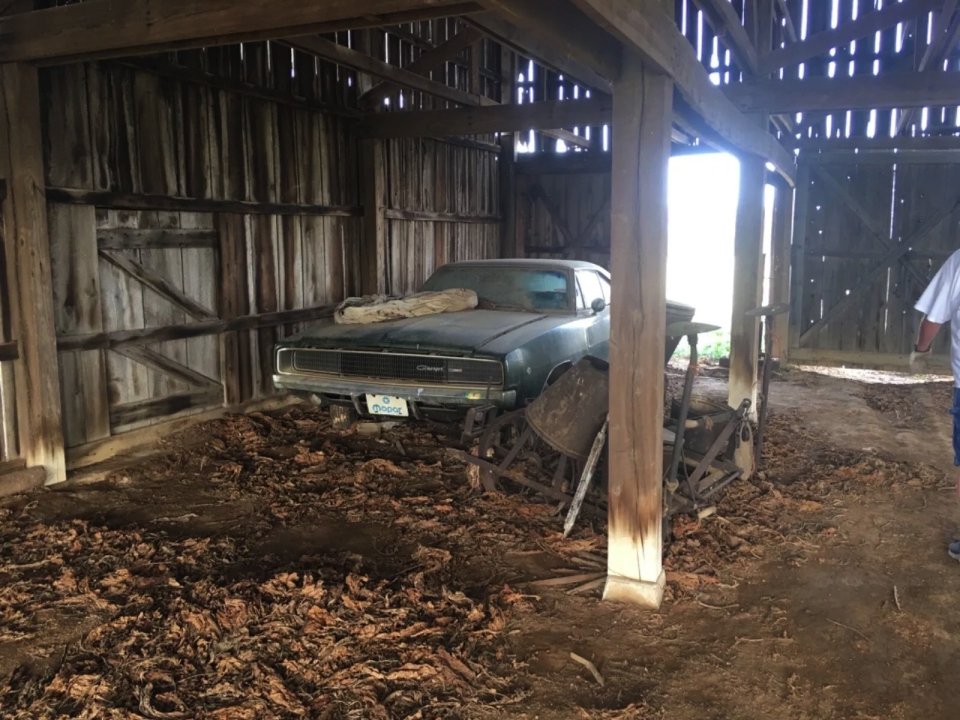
(235, 370)
(507, 162)
(373, 243)
(798, 256)
(476, 66)
(747, 284)
(780, 266)
(748, 272)
(365, 44)
(641, 139)
(508, 196)
(27, 248)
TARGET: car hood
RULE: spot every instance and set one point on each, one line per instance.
(472, 331)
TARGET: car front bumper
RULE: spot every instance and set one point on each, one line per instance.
(333, 390)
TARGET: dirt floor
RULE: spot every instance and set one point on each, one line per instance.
(266, 566)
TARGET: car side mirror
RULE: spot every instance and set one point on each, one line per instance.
(598, 305)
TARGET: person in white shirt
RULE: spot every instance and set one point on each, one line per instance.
(940, 303)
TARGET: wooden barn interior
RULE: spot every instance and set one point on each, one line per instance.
(184, 183)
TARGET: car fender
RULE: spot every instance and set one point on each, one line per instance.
(555, 373)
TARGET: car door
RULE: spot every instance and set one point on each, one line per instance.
(591, 288)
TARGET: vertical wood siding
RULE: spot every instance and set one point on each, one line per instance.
(855, 215)
(430, 176)
(280, 136)
(565, 215)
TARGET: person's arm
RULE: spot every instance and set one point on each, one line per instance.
(928, 331)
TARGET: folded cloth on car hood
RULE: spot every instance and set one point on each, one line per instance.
(380, 308)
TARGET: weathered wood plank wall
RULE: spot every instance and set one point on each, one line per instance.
(871, 235)
(452, 200)
(210, 186)
(128, 132)
(564, 214)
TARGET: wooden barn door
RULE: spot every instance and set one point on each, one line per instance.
(870, 233)
(564, 211)
(116, 271)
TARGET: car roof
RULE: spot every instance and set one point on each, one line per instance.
(546, 263)
(530, 263)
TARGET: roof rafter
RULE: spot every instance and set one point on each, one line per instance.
(492, 118)
(105, 28)
(945, 37)
(787, 20)
(823, 42)
(557, 34)
(861, 92)
(430, 61)
(347, 57)
(726, 23)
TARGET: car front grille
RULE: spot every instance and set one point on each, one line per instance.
(393, 367)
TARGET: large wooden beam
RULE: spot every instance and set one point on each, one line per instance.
(168, 203)
(116, 339)
(107, 28)
(847, 32)
(934, 143)
(557, 34)
(29, 281)
(862, 92)
(645, 26)
(884, 157)
(342, 55)
(494, 118)
(641, 141)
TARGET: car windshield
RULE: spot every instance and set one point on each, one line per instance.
(533, 290)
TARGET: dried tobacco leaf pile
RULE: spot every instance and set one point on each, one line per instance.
(269, 567)
(176, 618)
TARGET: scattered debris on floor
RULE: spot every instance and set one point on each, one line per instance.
(346, 634)
(279, 568)
(898, 403)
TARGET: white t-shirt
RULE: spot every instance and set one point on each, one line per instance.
(940, 302)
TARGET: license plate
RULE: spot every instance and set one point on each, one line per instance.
(387, 405)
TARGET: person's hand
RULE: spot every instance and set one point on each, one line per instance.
(920, 361)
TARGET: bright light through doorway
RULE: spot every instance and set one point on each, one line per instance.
(703, 192)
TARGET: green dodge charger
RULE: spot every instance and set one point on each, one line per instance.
(534, 319)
